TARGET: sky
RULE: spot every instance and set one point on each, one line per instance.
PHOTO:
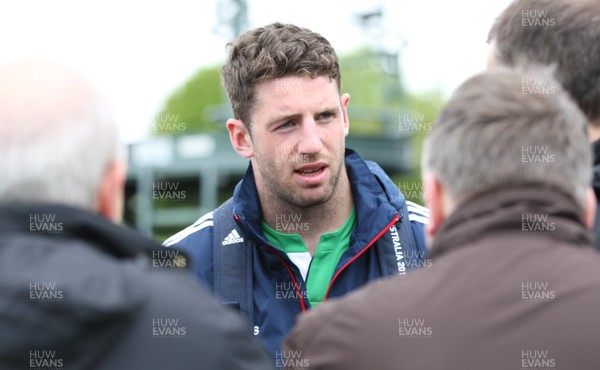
(139, 52)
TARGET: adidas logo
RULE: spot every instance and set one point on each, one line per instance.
(232, 238)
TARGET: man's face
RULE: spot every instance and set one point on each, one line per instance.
(297, 140)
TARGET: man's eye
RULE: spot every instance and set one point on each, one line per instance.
(287, 124)
(325, 116)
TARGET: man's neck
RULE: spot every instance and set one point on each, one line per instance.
(314, 221)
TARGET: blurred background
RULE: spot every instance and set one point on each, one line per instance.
(158, 64)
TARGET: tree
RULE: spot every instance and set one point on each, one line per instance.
(198, 104)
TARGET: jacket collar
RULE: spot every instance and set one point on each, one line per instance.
(519, 210)
(596, 176)
(596, 152)
(65, 222)
(376, 199)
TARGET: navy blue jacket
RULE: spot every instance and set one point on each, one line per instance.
(388, 239)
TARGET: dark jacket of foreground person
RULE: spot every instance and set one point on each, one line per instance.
(514, 284)
(78, 292)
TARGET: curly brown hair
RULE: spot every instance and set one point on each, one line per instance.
(274, 51)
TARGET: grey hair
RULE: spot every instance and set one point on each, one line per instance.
(57, 136)
(509, 128)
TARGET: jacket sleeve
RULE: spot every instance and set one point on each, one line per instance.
(417, 214)
(197, 241)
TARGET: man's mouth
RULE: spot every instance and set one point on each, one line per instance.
(311, 170)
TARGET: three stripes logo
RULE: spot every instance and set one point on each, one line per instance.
(232, 238)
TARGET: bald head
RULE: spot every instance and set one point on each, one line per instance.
(58, 137)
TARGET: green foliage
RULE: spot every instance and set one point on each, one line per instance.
(427, 106)
(369, 93)
(197, 103)
(361, 78)
(373, 92)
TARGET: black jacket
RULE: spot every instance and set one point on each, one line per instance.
(79, 292)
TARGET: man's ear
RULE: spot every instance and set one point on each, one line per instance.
(491, 57)
(110, 196)
(240, 138)
(344, 100)
(589, 212)
(434, 200)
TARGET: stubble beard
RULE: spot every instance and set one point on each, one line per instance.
(283, 197)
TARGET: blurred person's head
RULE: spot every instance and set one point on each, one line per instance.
(289, 118)
(562, 33)
(498, 131)
(58, 140)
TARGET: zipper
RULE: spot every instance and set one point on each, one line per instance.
(296, 285)
(396, 218)
(287, 266)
